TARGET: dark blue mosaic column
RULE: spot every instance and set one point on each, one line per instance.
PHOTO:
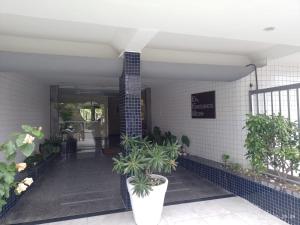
(130, 106)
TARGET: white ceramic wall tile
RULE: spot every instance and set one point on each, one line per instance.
(210, 138)
(23, 100)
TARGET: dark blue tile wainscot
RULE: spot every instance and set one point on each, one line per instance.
(279, 203)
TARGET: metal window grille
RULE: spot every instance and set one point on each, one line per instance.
(282, 100)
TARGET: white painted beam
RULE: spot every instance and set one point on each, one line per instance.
(133, 42)
(55, 47)
(189, 57)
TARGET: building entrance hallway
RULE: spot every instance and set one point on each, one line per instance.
(83, 184)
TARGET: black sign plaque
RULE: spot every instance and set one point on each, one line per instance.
(204, 105)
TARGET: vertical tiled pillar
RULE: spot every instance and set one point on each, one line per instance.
(130, 106)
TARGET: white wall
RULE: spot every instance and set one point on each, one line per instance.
(210, 138)
(23, 100)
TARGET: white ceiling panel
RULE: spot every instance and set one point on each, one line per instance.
(83, 71)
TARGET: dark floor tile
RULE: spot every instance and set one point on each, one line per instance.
(85, 185)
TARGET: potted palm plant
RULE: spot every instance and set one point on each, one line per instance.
(146, 188)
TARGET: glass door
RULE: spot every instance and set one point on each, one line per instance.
(86, 122)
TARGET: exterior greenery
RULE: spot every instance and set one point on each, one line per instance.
(20, 142)
(145, 158)
(274, 141)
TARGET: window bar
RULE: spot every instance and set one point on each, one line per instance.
(250, 103)
(257, 105)
(298, 111)
(288, 102)
(279, 95)
(265, 108)
(272, 108)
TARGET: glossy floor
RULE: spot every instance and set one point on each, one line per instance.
(83, 184)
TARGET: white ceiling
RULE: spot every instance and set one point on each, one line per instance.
(56, 29)
(104, 73)
(292, 59)
(188, 37)
(234, 19)
(183, 42)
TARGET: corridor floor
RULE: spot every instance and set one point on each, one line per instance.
(85, 186)
(79, 185)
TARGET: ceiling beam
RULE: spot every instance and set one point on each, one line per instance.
(134, 42)
(10, 43)
(190, 57)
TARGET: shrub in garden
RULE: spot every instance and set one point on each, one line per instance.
(273, 140)
(22, 142)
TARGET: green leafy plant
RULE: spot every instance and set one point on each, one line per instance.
(225, 159)
(55, 141)
(169, 137)
(20, 142)
(66, 111)
(273, 140)
(163, 139)
(50, 146)
(145, 158)
(159, 138)
(235, 167)
(185, 143)
(185, 140)
(33, 160)
(156, 136)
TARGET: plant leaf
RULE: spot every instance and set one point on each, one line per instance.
(20, 139)
(27, 149)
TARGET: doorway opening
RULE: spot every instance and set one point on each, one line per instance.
(86, 122)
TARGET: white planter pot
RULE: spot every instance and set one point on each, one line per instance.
(147, 210)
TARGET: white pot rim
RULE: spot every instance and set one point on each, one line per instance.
(129, 179)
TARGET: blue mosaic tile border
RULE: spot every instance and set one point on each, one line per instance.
(130, 107)
(278, 203)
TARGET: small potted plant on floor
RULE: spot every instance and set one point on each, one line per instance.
(146, 189)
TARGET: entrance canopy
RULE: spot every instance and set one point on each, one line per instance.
(101, 73)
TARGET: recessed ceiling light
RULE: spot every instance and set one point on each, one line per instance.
(269, 28)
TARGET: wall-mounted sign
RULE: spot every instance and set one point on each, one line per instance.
(204, 105)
